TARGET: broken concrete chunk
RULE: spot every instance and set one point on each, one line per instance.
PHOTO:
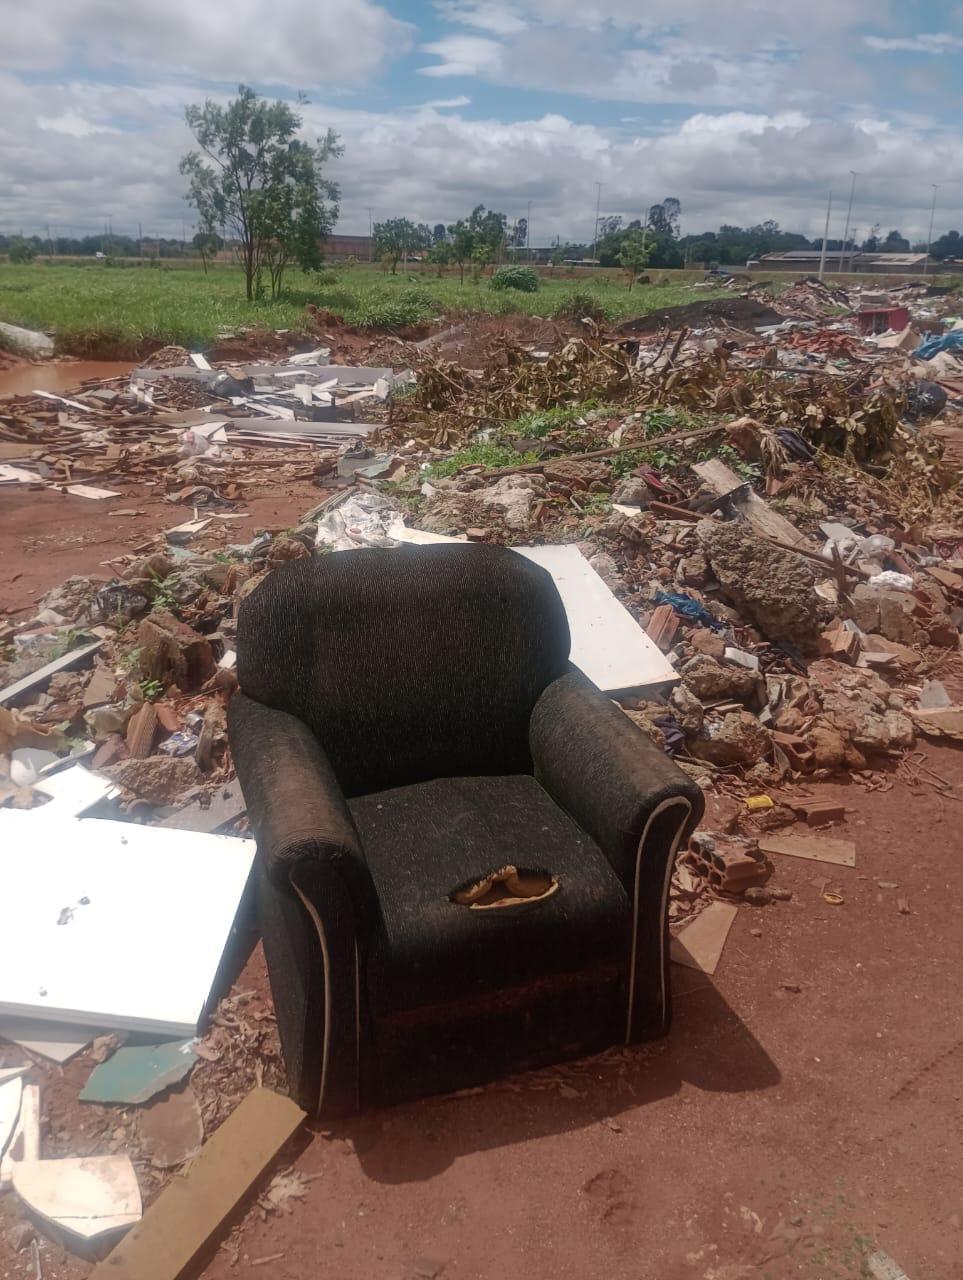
(775, 588)
(156, 779)
(710, 681)
(631, 492)
(514, 494)
(687, 709)
(174, 653)
(738, 739)
(886, 611)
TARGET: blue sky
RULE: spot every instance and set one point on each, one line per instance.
(743, 111)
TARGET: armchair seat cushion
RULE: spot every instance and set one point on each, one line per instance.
(425, 841)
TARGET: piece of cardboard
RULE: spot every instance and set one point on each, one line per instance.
(699, 945)
(190, 1210)
(841, 853)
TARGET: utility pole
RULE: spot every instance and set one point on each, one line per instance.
(528, 233)
(849, 213)
(370, 238)
(598, 205)
(822, 256)
(183, 234)
(140, 239)
(929, 238)
(50, 248)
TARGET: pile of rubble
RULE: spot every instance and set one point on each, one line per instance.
(777, 509)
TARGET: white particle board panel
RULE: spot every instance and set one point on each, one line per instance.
(607, 642)
(114, 925)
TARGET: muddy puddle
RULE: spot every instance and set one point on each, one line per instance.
(60, 376)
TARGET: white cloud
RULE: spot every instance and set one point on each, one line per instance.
(462, 56)
(443, 104)
(335, 43)
(73, 124)
(934, 42)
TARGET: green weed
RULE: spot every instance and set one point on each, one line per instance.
(486, 453)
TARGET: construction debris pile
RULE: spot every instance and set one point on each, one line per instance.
(763, 524)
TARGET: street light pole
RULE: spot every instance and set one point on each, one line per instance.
(849, 213)
(598, 206)
(929, 238)
(822, 256)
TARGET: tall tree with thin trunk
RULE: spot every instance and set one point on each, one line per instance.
(253, 178)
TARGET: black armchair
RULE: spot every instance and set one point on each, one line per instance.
(409, 730)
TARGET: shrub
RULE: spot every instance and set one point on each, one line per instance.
(20, 250)
(580, 305)
(522, 278)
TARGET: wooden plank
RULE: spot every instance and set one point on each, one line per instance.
(44, 673)
(190, 1210)
(841, 853)
(766, 522)
(699, 945)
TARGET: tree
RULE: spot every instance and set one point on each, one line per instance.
(481, 255)
(20, 250)
(207, 244)
(438, 233)
(871, 243)
(397, 237)
(949, 245)
(634, 254)
(488, 227)
(608, 225)
(462, 243)
(664, 218)
(441, 254)
(896, 242)
(255, 177)
(519, 234)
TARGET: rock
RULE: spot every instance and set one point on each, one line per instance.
(891, 731)
(173, 653)
(149, 572)
(158, 779)
(831, 749)
(780, 895)
(452, 511)
(738, 739)
(514, 494)
(631, 492)
(577, 475)
(773, 588)
(687, 709)
(694, 570)
(708, 642)
(710, 681)
(757, 896)
(19, 1236)
(607, 569)
(943, 632)
(886, 611)
(73, 599)
(284, 548)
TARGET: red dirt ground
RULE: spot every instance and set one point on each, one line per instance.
(771, 1135)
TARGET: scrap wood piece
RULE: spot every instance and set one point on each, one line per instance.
(663, 625)
(89, 1196)
(141, 731)
(191, 1209)
(722, 480)
(51, 669)
(842, 853)
(699, 945)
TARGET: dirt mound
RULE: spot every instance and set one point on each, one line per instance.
(744, 313)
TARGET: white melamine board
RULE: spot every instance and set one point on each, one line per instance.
(607, 642)
(142, 952)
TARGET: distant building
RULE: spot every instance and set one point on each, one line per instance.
(846, 261)
(337, 248)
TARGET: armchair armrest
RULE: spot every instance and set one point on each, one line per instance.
(315, 896)
(637, 806)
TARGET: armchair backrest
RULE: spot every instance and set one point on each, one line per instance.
(407, 663)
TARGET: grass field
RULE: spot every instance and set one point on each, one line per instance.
(96, 307)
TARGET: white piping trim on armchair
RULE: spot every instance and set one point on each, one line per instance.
(326, 966)
(686, 806)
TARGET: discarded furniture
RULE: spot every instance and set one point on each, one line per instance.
(464, 848)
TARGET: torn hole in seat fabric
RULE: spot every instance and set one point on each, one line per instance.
(506, 887)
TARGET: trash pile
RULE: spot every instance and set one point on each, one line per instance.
(758, 538)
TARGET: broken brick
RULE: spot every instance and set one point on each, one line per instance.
(173, 653)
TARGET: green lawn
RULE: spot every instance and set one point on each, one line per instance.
(95, 306)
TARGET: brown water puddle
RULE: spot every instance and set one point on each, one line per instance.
(58, 376)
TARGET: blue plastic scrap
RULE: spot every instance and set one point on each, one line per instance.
(930, 347)
(689, 608)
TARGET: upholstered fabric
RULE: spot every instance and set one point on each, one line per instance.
(422, 842)
(407, 664)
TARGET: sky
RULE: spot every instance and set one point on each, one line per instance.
(743, 111)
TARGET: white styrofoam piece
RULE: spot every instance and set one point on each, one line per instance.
(141, 953)
(91, 491)
(47, 1039)
(607, 642)
(72, 791)
(199, 360)
(10, 1093)
(26, 764)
